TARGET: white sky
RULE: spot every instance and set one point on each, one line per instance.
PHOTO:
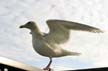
(16, 44)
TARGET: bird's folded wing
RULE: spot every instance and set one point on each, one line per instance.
(60, 29)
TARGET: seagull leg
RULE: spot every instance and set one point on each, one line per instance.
(48, 66)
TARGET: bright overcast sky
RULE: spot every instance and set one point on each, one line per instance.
(16, 43)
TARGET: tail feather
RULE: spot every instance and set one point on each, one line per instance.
(71, 53)
(75, 53)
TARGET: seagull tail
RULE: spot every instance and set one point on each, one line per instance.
(71, 53)
(75, 53)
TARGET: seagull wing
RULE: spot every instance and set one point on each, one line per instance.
(60, 30)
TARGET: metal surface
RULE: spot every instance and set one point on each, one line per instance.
(12, 65)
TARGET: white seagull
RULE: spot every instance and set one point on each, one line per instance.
(47, 44)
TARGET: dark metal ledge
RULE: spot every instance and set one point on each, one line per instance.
(11, 65)
(92, 69)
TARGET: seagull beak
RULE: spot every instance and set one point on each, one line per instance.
(22, 26)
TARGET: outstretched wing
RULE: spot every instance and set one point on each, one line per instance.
(60, 30)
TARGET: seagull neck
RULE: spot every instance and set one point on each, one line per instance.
(36, 32)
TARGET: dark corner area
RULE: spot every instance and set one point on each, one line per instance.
(4, 67)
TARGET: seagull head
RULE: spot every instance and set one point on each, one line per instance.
(30, 25)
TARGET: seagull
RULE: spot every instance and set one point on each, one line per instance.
(47, 44)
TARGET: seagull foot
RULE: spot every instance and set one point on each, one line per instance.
(48, 69)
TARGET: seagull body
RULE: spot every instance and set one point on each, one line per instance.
(48, 44)
(47, 48)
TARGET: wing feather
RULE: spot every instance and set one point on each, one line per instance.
(60, 30)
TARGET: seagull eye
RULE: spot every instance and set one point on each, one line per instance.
(29, 23)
